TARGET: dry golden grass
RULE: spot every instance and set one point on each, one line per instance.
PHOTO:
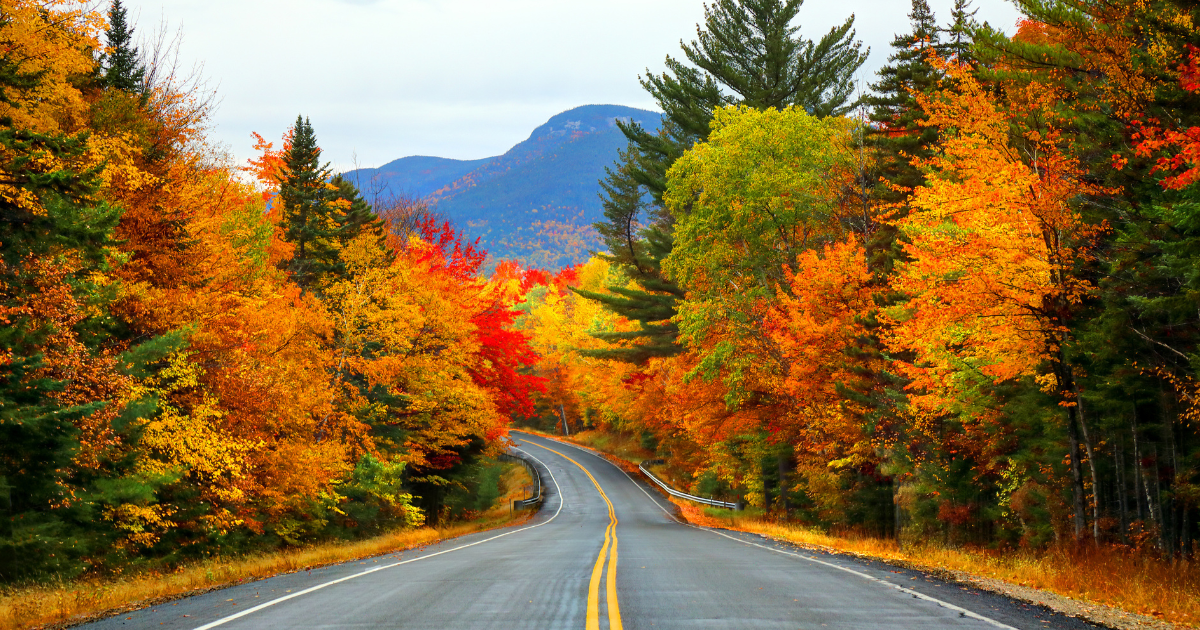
(625, 446)
(71, 602)
(1117, 577)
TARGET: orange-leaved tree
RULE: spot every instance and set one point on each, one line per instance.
(995, 242)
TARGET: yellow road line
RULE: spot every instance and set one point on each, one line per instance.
(593, 608)
(614, 607)
(610, 536)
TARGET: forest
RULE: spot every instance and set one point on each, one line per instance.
(202, 358)
(961, 304)
(960, 307)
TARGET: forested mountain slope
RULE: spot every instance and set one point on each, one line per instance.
(535, 202)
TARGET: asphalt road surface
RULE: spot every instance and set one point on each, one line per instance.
(603, 552)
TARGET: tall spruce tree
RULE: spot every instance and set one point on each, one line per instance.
(123, 70)
(748, 52)
(897, 132)
(353, 217)
(310, 219)
(897, 135)
(960, 40)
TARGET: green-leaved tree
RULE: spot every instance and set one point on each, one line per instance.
(748, 52)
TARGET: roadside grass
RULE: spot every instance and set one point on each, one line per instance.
(74, 602)
(623, 449)
(625, 446)
(1167, 589)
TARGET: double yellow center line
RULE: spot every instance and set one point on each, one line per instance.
(610, 537)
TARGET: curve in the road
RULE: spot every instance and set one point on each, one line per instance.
(611, 601)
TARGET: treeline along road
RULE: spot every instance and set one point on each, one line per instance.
(605, 551)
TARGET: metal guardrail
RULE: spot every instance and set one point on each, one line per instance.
(537, 497)
(683, 495)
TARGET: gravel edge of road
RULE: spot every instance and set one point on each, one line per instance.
(1099, 614)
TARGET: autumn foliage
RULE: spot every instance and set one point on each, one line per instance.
(984, 335)
(168, 389)
(1002, 354)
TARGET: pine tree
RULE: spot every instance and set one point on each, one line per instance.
(959, 36)
(122, 68)
(309, 217)
(751, 49)
(747, 53)
(897, 133)
(47, 205)
(356, 216)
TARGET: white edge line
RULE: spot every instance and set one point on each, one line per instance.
(318, 587)
(915, 594)
(958, 609)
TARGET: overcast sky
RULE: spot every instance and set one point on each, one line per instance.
(383, 79)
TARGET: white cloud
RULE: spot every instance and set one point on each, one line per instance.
(382, 79)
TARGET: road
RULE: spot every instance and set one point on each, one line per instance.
(603, 552)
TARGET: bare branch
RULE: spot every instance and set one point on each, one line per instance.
(1159, 343)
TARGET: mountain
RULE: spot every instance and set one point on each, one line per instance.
(535, 203)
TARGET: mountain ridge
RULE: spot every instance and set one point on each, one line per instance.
(535, 202)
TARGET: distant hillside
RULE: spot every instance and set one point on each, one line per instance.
(536, 202)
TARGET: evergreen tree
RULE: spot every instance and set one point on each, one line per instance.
(750, 48)
(897, 133)
(310, 219)
(623, 200)
(48, 205)
(47, 211)
(747, 53)
(122, 68)
(959, 37)
(898, 136)
(356, 216)
(353, 217)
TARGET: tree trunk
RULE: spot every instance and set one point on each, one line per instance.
(896, 514)
(1067, 391)
(1185, 536)
(563, 413)
(1162, 519)
(1122, 489)
(1076, 476)
(6, 518)
(783, 473)
(1137, 471)
(1177, 506)
(1087, 443)
(8, 553)
(1153, 508)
